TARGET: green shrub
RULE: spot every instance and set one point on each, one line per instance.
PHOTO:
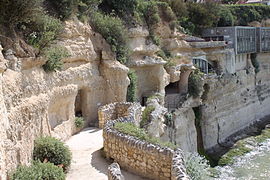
(52, 150)
(255, 62)
(245, 14)
(14, 12)
(195, 83)
(44, 29)
(226, 17)
(132, 130)
(156, 96)
(263, 136)
(197, 167)
(149, 10)
(202, 15)
(132, 88)
(165, 11)
(114, 32)
(146, 115)
(38, 171)
(54, 55)
(79, 122)
(86, 7)
(179, 8)
(170, 63)
(164, 54)
(189, 27)
(121, 6)
(168, 119)
(64, 9)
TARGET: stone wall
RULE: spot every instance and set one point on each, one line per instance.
(178, 168)
(137, 156)
(116, 110)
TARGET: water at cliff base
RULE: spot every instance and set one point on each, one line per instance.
(252, 166)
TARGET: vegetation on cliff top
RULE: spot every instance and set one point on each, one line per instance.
(114, 32)
(38, 21)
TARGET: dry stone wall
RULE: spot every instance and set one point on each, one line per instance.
(116, 110)
(137, 156)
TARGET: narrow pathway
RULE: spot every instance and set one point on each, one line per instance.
(87, 162)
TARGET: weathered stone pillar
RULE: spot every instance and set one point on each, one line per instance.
(183, 82)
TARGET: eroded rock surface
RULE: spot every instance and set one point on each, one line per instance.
(34, 102)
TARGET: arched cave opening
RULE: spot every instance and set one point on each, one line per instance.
(172, 88)
(78, 104)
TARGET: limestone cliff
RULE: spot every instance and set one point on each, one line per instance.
(36, 103)
(234, 102)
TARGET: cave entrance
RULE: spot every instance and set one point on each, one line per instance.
(172, 88)
(144, 101)
(79, 104)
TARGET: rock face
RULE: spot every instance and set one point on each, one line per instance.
(34, 102)
(148, 67)
(234, 102)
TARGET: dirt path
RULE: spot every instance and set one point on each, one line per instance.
(87, 162)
